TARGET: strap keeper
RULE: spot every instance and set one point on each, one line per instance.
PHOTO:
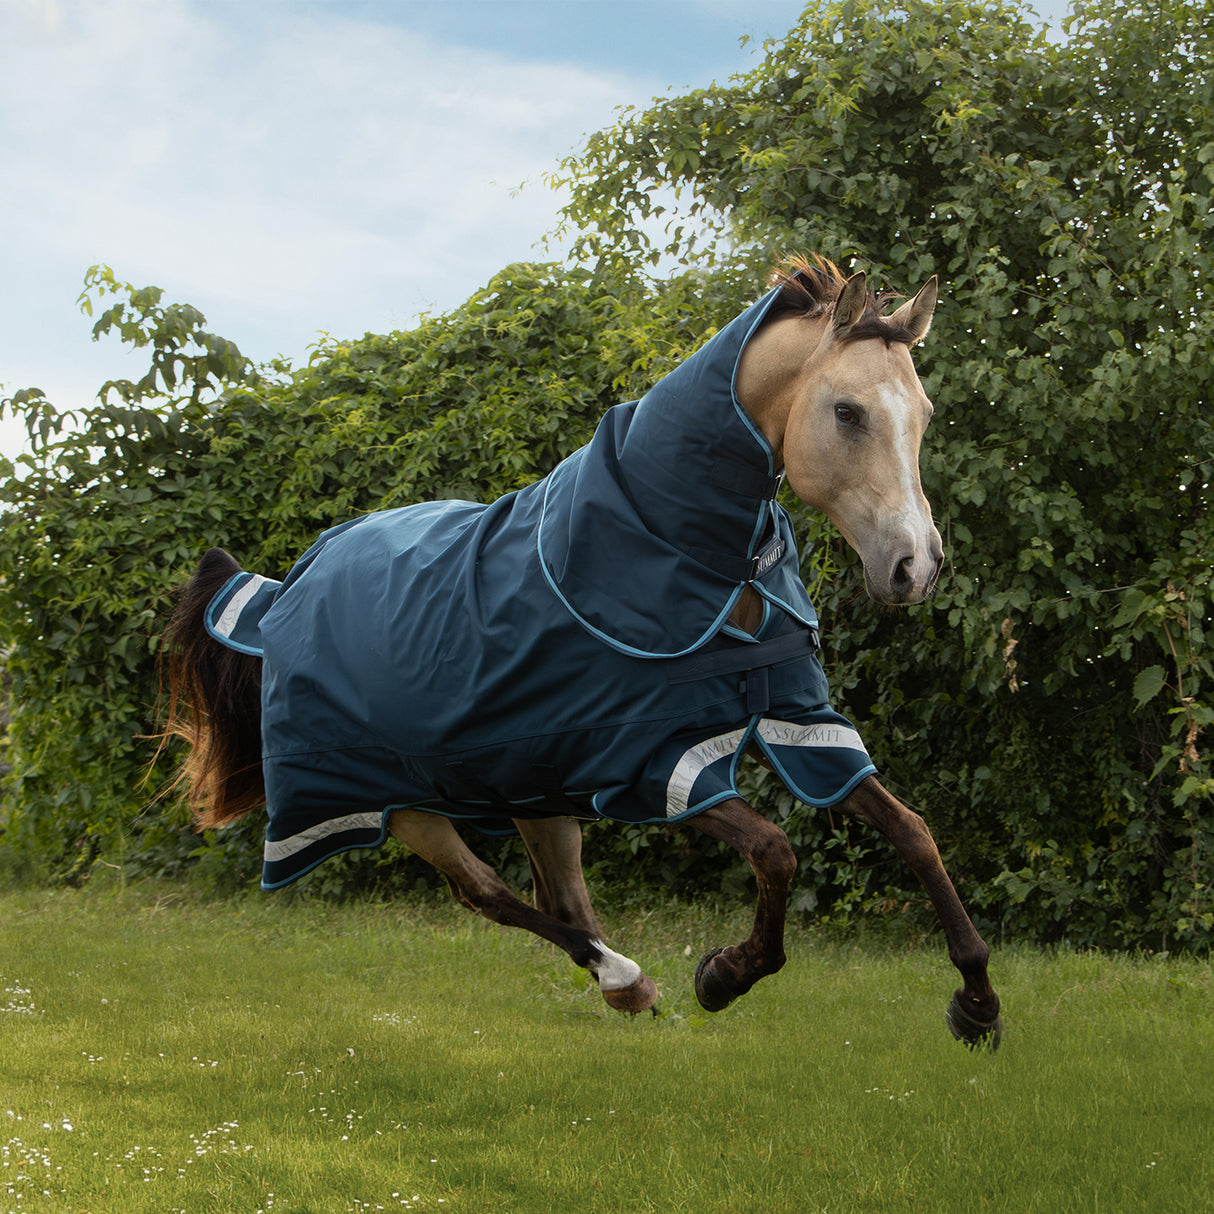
(756, 686)
(553, 797)
(745, 481)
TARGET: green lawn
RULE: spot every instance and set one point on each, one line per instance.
(161, 1053)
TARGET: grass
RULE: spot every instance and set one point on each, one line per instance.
(160, 1053)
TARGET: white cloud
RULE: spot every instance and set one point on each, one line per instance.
(284, 172)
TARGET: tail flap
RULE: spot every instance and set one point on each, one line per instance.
(233, 617)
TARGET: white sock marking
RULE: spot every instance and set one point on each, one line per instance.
(613, 971)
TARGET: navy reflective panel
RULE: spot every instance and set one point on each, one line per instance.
(564, 649)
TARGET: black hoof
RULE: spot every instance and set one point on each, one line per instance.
(711, 990)
(974, 1033)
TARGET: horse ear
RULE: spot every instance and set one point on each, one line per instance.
(916, 316)
(853, 299)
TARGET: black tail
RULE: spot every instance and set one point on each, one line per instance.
(214, 703)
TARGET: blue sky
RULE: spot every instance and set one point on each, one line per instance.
(297, 166)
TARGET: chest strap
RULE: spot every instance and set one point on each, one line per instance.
(754, 662)
(741, 658)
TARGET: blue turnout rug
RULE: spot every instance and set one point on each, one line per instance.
(565, 649)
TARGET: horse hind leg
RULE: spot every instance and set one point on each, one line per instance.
(475, 885)
(725, 973)
(554, 849)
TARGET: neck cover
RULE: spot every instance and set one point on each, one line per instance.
(674, 498)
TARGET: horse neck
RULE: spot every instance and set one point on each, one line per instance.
(774, 367)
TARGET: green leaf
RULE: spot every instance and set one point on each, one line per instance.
(1148, 684)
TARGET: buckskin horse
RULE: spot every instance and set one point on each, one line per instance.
(608, 642)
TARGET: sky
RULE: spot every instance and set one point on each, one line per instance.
(298, 167)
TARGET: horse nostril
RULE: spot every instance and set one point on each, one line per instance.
(903, 576)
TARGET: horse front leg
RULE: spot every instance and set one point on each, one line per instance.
(725, 973)
(475, 885)
(973, 1014)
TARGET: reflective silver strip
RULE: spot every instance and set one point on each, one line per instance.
(788, 733)
(687, 770)
(281, 849)
(237, 603)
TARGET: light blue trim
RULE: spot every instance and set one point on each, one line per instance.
(701, 806)
(760, 527)
(810, 620)
(816, 802)
(740, 634)
(764, 307)
(763, 602)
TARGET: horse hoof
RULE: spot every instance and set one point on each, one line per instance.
(712, 989)
(638, 997)
(974, 1033)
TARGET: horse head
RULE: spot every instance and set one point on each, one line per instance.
(830, 382)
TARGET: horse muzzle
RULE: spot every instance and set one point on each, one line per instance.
(904, 567)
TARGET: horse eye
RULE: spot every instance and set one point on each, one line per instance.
(845, 415)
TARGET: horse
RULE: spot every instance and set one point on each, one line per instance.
(608, 642)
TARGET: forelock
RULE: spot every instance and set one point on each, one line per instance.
(810, 285)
